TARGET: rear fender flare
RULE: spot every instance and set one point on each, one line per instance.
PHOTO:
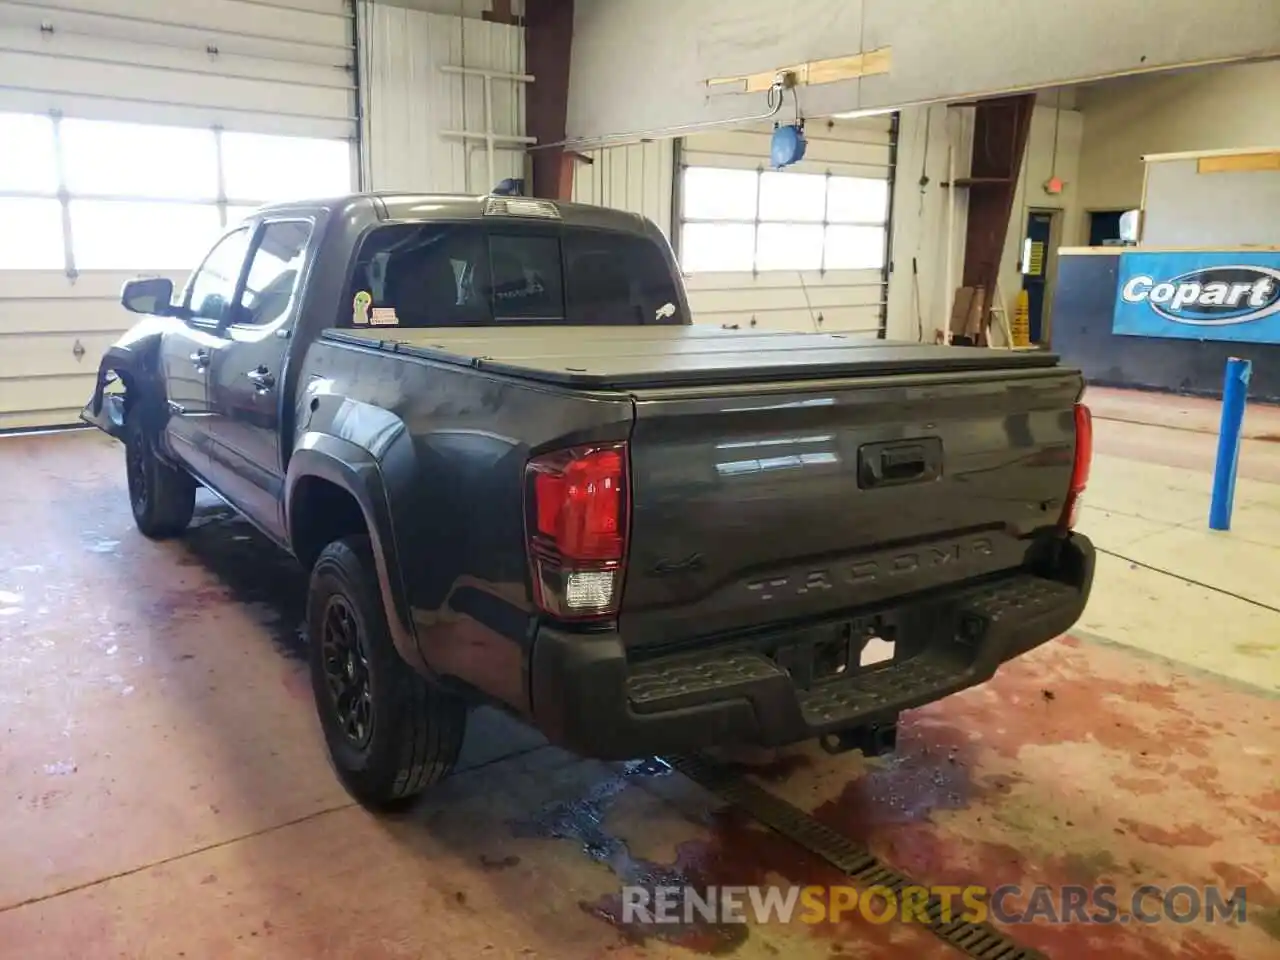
(357, 471)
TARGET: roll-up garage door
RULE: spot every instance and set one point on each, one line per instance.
(131, 133)
(802, 248)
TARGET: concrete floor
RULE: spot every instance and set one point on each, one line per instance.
(163, 790)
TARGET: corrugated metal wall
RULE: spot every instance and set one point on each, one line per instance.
(637, 177)
(409, 100)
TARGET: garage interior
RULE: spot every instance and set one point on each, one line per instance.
(164, 790)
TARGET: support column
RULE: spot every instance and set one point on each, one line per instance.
(548, 45)
(1000, 130)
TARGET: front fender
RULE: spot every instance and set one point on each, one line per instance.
(356, 470)
(135, 360)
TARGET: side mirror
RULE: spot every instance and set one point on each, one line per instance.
(150, 295)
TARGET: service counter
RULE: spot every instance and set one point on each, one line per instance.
(1168, 319)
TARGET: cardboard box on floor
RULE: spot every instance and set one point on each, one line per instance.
(969, 315)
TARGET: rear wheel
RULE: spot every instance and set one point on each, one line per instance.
(163, 497)
(390, 732)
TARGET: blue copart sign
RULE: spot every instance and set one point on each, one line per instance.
(1199, 296)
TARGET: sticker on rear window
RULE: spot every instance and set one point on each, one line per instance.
(385, 317)
(360, 308)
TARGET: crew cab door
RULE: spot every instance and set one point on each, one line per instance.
(247, 393)
(187, 349)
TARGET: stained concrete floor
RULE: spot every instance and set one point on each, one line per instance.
(163, 790)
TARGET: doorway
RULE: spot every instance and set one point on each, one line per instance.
(1039, 267)
(1104, 227)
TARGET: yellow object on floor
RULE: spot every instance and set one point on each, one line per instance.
(1022, 320)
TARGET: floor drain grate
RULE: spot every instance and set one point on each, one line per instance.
(979, 940)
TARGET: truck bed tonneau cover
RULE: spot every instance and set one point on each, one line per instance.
(672, 355)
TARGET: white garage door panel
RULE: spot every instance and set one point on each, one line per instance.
(818, 155)
(29, 285)
(52, 354)
(782, 298)
(325, 71)
(277, 67)
(833, 300)
(320, 23)
(36, 317)
(171, 87)
(42, 317)
(46, 394)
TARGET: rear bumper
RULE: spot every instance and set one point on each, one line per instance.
(590, 698)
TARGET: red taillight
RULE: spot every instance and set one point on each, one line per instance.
(1079, 467)
(577, 519)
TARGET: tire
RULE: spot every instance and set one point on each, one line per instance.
(163, 497)
(390, 732)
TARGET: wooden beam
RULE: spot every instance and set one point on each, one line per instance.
(811, 73)
(1000, 131)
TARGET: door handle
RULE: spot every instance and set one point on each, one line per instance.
(261, 378)
(200, 358)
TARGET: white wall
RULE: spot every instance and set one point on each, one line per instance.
(640, 66)
(1217, 108)
(409, 100)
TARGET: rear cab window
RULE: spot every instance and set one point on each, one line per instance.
(503, 272)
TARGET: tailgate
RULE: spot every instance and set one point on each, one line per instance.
(754, 508)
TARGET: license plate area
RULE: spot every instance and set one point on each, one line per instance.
(843, 648)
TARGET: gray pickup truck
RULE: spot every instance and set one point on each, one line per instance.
(521, 476)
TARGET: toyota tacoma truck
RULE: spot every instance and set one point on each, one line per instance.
(521, 476)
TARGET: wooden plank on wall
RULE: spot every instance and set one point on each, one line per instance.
(812, 72)
(1240, 163)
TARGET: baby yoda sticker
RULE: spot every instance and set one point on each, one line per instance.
(360, 308)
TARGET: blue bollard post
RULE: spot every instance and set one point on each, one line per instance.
(1235, 389)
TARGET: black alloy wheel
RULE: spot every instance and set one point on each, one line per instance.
(346, 671)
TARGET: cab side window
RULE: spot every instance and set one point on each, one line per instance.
(213, 287)
(274, 270)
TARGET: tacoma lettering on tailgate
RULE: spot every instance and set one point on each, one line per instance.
(874, 568)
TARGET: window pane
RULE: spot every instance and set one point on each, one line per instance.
(792, 196)
(785, 246)
(525, 275)
(213, 286)
(855, 248)
(711, 193)
(432, 276)
(264, 169)
(31, 238)
(707, 247)
(130, 159)
(128, 235)
(858, 200)
(617, 278)
(273, 274)
(27, 160)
